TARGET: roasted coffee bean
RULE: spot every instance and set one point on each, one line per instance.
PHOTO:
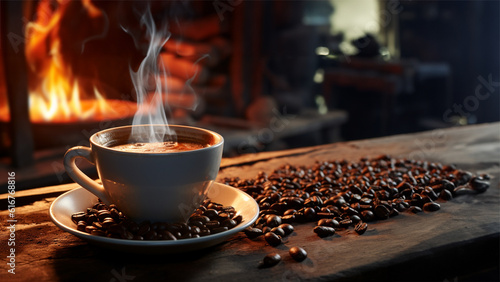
(429, 192)
(229, 223)
(485, 176)
(350, 211)
(288, 218)
(309, 214)
(212, 224)
(299, 217)
(201, 218)
(278, 231)
(144, 228)
(214, 206)
(174, 228)
(328, 222)
(324, 231)
(223, 216)
(113, 235)
(445, 195)
(98, 232)
(127, 235)
(138, 237)
(431, 206)
(131, 226)
(197, 223)
(415, 209)
(102, 214)
(272, 239)
(90, 228)
(367, 215)
(448, 185)
(266, 229)
(273, 220)
(463, 176)
(91, 211)
(298, 253)
(324, 210)
(238, 219)
(270, 260)
(165, 235)
(253, 232)
(287, 228)
(463, 190)
(91, 218)
(219, 229)
(150, 235)
(345, 223)
(81, 225)
(361, 227)
(355, 219)
(107, 223)
(394, 212)
(313, 201)
(183, 227)
(211, 213)
(77, 217)
(97, 224)
(205, 232)
(228, 209)
(195, 230)
(382, 212)
(325, 215)
(478, 184)
(159, 226)
(115, 214)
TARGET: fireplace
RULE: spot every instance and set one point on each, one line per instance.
(228, 65)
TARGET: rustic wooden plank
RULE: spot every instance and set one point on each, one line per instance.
(43, 191)
(462, 237)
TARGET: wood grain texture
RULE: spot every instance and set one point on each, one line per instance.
(453, 242)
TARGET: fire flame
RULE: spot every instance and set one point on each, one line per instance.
(55, 94)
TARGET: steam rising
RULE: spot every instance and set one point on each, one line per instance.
(149, 76)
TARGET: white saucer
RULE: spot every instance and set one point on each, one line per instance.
(80, 199)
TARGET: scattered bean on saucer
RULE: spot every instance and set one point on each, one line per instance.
(341, 195)
(108, 221)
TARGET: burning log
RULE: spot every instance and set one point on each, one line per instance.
(171, 84)
(199, 29)
(181, 100)
(213, 88)
(184, 69)
(216, 50)
(188, 49)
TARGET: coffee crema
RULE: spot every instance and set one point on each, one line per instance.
(160, 147)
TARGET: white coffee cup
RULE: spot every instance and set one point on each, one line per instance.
(165, 187)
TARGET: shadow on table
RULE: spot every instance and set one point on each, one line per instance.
(100, 264)
(472, 260)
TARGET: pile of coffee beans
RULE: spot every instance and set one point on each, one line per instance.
(339, 195)
(103, 220)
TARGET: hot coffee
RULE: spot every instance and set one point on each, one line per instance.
(160, 147)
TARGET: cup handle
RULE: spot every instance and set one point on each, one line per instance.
(77, 175)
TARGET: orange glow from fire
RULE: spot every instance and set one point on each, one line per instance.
(55, 93)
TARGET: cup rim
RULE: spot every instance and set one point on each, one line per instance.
(217, 135)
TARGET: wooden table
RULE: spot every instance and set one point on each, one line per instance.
(457, 242)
